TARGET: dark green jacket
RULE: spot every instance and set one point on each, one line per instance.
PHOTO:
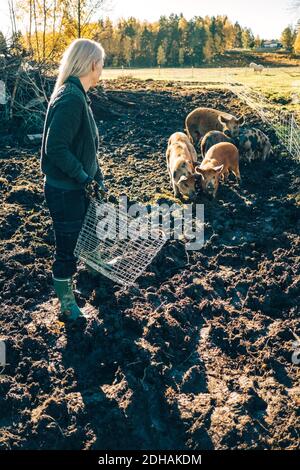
(70, 138)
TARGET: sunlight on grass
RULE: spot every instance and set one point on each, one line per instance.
(281, 85)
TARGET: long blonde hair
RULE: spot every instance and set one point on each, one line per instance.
(77, 60)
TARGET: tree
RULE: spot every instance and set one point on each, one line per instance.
(52, 24)
(229, 34)
(174, 56)
(238, 41)
(82, 12)
(16, 46)
(161, 55)
(181, 57)
(208, 48)
(247, 39)
(288, 38)
(297, 43)
(145, 56)
(197, 41)
(3, 44)
(258, 42)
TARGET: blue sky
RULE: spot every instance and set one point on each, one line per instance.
(265, 17)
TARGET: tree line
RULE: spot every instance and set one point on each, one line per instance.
(171, 41)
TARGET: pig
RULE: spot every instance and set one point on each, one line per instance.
(202, 120)
(220, 159)
(229, 127)
(253, 144)
(181, 161)
(212, 138)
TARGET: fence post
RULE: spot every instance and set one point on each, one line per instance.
(291, 134)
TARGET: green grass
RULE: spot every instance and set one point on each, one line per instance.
(277, 84)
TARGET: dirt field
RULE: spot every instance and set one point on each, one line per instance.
(200, 355)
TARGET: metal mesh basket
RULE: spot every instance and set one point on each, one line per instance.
(122, 258)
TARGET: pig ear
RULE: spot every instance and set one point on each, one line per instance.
(182, 179)
(223, 120)
(198, 171)
(218, 169)
(241, 120)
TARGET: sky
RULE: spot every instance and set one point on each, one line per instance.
(266, 18)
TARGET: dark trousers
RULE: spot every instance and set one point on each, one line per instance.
(67, 209)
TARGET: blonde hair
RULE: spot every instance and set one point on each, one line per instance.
(77, 60)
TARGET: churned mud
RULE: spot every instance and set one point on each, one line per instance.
(199, 356)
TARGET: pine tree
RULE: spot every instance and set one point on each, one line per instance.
(238, 43)
(3, 44)
(247, 39)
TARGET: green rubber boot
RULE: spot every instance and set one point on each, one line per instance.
(69, 309)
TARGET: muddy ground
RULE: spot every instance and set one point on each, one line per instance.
(199, 356)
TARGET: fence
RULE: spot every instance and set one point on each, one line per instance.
(284, 124)
(114, 244)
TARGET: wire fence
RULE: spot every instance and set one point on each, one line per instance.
(284, 124)
(117, 245)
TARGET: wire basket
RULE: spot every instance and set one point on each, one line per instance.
(121, 254)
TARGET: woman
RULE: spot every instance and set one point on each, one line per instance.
(69, 160)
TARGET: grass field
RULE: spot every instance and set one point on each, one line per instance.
(281, 85)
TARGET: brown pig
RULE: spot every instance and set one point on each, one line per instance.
(220, 159)
(181, 161)
(203, 120)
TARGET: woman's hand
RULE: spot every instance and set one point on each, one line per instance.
(95, 186)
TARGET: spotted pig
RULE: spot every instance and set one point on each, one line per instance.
(253, 144)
